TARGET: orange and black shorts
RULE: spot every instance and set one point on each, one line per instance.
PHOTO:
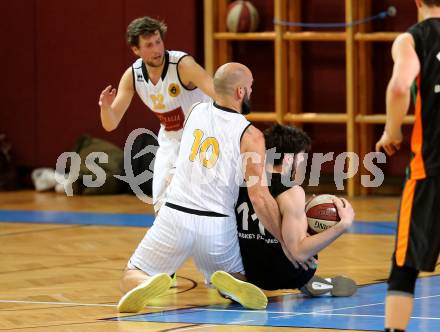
(418, 232)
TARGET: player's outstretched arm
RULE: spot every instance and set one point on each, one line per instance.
(254, 152)
(193, 75)
(398, 95)
(114, 103)
(299, 244)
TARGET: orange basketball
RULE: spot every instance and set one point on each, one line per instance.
(321, 213)
(242, 17)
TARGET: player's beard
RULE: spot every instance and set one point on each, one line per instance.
(155, 64)
(246, 104)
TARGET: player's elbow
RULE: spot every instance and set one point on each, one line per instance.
(295, 248)
(302, 257)
(399, 88)
(108, 125)
(108, 128)
(297, 254)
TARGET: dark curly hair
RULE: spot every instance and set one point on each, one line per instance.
(144, 26)
(286, 139)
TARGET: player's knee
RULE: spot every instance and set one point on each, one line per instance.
(124, 281)
(131, 278)
(402, 279)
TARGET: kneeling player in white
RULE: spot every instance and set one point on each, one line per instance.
(198, 218)
(266, 262)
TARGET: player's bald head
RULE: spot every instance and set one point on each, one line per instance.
(432, 3)
(230, 76)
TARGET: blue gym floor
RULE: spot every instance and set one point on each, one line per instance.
(144, 220)
(364, 311)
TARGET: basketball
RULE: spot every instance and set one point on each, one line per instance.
(242, 17)
(321, 213)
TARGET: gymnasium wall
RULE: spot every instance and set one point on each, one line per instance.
(56, 58)
(323, 67)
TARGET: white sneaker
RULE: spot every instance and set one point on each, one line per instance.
(43, 179)
(59, 188)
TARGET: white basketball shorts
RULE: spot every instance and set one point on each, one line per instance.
(164, 165)
(177, 235)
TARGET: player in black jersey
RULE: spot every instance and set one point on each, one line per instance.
(269, 265)
(416, 56)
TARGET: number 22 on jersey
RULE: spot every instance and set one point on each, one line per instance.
(201, 148)
(158, 101)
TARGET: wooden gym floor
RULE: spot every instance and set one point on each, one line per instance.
(58, 274)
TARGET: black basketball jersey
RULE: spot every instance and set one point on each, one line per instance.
(425, 141)
(264, 261)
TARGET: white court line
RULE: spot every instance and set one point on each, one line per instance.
(243, 321)
(373, 304)
(72, 303)
(344, 308)
(284, 314)
(360, 315)
(239, 310)
(196, 327)
(60, 303)
(289, 313)
(326, 310)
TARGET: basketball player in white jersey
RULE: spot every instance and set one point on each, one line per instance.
(168, 82)
(198, 218)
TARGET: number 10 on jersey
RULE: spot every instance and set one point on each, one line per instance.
(201, 148)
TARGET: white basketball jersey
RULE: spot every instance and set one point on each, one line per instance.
(168, 99)
(209, 166)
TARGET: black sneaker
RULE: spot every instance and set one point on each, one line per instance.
(338, 286)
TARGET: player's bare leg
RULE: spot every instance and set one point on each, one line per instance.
(398, 310)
